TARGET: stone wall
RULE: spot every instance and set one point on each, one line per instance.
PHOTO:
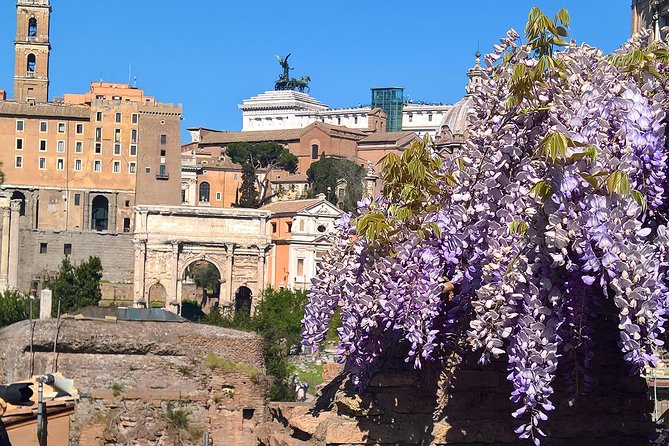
(404, 406)
(148, 383)
(115, 250)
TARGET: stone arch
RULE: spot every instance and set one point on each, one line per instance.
(17, 195)
(157, 296)
(243, 299)
(206, 294)
(100, 213)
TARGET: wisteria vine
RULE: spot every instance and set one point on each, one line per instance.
(554, 204)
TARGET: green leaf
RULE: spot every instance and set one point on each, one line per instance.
(542, 190)
(639, 198)
(517, 227)
(618, 182)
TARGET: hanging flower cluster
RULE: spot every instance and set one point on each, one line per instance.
(508, 244)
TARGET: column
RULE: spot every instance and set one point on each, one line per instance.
(174, 278)
(13, 278)
(4, 253)
(229, 296)
(113, 214)
(261, 271)
(139, 280)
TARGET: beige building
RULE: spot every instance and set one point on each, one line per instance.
(77, 165)
(299, 230)
(650, 14)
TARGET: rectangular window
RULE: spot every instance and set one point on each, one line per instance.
(162, 171)
(116, 167)
(314, 151)
(162, 152)
(18, 162)
(98, 116)
(132, 167)
(60, 164)
(98, 133)
(80, 129)
(61, 146)
(289, 227)
(98, 148)
(410, 117)
(77, 165)
(134, 118)
(43, 127)
(67, 249)
(117, 117)
(355, 120)
(79, 147)
(127, 203)
(77, 199)
(163, 139)
(19, 143)
(19, 125)
(300, 267)
(42, 145)
(133, 136)
(97, 166)
(126, 225)
(273, 228)
(429, 118)
(218, 196)
(42, 163)
(42, 248)
(117, 135)
(133, 150)
(61, 127)
(117, 149)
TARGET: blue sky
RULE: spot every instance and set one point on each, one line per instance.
(212, 54)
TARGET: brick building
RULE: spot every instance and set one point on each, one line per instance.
(77, 165)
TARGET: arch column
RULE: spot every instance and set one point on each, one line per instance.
(140, 274)
(172, 293)
(228, 295)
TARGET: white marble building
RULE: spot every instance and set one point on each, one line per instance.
(286, 109)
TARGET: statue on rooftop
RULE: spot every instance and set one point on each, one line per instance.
(285, 82)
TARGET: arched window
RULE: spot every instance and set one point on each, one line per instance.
(314, 151)
(20, 196)
(243, 299)
(100, 214)
(32, 27)
(204, 192)
(31, 63)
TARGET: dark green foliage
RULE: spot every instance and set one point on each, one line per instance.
(192, 311)
(324, 174)
(15, 307)
(278, 319)
(206, 276)
(248, 192)
(76, 286)
(262, 155)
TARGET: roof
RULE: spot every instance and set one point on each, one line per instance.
(281, 176)
(283, 135)
(44, 110)
(128, 314)
(393, 137)
(292, 206)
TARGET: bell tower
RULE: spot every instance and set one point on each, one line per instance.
(32, 47)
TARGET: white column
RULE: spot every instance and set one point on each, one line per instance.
(13, 277)
(140, 275)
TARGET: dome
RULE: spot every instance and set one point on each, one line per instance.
(454, 124)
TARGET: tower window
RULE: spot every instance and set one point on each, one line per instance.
(32, 27)
(135, 118)
(80, 129)
(18, 163)
(163, 139)
(117, 118)
(98, 115)
(30, 68)
(19, 144)
(43, 127)
(133, 136)
(19, 126)
(133, 150)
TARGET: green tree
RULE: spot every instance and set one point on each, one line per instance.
(324, 174)
(15, 307)
(207, 277)
(254, 157)
(77, 286)
(278, 319)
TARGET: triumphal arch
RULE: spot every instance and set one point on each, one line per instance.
(169, 240)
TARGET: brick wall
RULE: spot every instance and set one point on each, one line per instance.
(134, 377)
